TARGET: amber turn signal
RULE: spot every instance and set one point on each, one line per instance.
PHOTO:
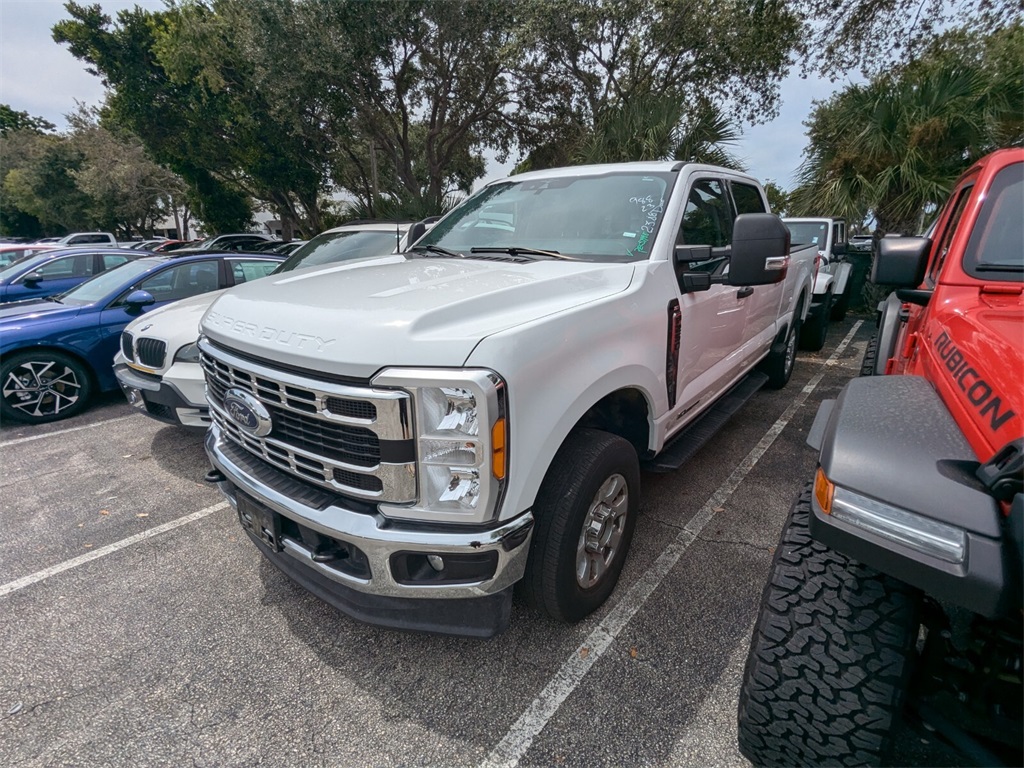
(824, 490)
(498, 459)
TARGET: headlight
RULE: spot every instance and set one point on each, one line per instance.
(461, 431)
(188, 354)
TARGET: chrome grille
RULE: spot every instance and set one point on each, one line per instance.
(151, 352)
(353, 440)
(126, 346)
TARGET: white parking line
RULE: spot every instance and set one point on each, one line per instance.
(5, 443)
(520, 736)
(26, 581)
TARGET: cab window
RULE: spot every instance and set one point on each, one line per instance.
(747, 198)
(707, 218)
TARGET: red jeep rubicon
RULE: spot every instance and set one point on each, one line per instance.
(896, 587)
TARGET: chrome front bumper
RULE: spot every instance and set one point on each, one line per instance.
(376, 536)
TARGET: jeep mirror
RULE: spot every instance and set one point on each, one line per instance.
(839, 249)
(901, 261)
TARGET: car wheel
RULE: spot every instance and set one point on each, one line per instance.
(43, 386)
(830, 659)
(815, 330)
(586, 512)
(779, 363)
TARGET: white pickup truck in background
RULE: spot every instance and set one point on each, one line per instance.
(832, 281)
(410, 440)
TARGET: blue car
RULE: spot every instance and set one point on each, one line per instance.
(57, 352)
(51, 272)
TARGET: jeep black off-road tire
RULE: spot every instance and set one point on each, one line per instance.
(586, 512)
(867, 364)
(815, 330)
(778, 365)
(830, 658)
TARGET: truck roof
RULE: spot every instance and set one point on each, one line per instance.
(650, 166)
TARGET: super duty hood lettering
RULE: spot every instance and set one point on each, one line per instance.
(286, 338)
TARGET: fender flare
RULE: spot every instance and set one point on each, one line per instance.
(891, 439)
(888, 330)
(842, 276)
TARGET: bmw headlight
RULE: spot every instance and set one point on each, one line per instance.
(188, 354)
(461, 433)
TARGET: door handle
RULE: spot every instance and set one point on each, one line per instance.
(742, 293)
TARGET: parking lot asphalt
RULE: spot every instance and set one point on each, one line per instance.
(139, 626)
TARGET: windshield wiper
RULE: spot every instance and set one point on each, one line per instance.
(437, 249)
(522, 251)
(55, 297)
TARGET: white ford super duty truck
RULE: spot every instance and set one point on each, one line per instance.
(410, 440)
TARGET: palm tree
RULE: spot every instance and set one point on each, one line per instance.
(896, 145)
(660, 127)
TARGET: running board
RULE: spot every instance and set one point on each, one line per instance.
(684, 445)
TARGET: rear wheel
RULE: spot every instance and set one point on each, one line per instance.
(815, 330)
(586, 512)
(43, 386)
(830, 658)
(778, 365)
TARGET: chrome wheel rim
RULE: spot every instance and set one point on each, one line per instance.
(603, 527)
(41, 388)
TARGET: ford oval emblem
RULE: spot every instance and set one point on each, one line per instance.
(248, 412)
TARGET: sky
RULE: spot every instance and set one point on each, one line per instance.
(42, 78)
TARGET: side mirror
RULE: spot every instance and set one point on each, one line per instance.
(760, 250)
(32, 278)
(839, 249)
(901, 261)
(139, 299)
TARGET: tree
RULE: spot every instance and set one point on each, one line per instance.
(874, 35)
(640, 61)
(10, 120)
(658, 127)
(179, 123)
(895, 145)
(779, 200)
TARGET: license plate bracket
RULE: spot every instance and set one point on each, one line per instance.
(260, 520)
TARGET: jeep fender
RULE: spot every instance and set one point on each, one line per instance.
(841, 272)
(890, 438)
(822, 283)
(888, 331)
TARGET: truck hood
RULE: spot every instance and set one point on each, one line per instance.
(354, 319)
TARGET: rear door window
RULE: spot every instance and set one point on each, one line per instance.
(747, 198)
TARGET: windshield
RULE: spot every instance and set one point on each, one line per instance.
(808, 233)
(330, 247)
(611, 217)
(99, 287)
(994, 249)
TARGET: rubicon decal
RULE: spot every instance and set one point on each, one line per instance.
(979, 392)
(267, 333)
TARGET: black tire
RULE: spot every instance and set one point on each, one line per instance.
(830, 658)
(867, 364)
(815, 330)
(41, 386)
(589, 462)
(779, 363)
(841, 305)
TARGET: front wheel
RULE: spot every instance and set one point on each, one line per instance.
(43, 386)
(586, 512)
(830, 658)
